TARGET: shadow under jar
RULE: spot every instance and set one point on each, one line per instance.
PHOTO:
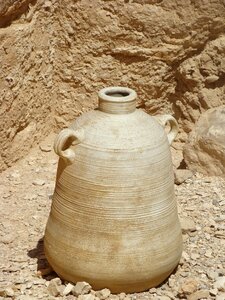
(113, 220)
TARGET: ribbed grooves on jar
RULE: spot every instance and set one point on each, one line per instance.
(77, 185)
(139, 233)
(114, 202)
(161, 144)
(66, 213)
(119, 108)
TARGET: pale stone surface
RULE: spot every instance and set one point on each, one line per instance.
(213, 292)
(81, 288)
(46, 147)
(188, 287)
(202, 294)
(220, 297)
(180, 175)
(2, 292)
(26, 297)
(187, 225)
(54, 287)
(205, 150)
(9, 292)
(103, 294)
(86, 297)
(212, 274)
(220, 284)
(38, 182)
(68, 289)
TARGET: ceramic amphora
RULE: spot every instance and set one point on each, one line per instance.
(113, 220)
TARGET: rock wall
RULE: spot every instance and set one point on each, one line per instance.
(56, 55)
(204, 150)
(26, 78)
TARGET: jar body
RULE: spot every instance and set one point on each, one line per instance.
(113, 220)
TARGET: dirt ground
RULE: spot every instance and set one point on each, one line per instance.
(26, 190)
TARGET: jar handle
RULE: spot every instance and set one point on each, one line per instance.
(163, 120)
(64, 140)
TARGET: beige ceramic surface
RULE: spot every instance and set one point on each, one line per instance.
(113, 220)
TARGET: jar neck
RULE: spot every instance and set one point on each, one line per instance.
(117, 100)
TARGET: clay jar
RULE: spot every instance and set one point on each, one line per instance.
(113, 220)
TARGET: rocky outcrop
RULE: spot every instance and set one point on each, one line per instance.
(205, 150)
(201, 83)
(26, 82)
(12, 9)
(141, 44)
(56, 55)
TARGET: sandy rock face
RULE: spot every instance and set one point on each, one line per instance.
(12, 9)
(26, 59)
(205, 150)
(201, 82)
(56, 55)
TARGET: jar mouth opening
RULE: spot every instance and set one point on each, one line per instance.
(117, 94)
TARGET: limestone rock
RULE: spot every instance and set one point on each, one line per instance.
(45, 147)
(187, 225)
(165, 298)
(113, 297)
(25, 297)
(7, 239)
(201, 294)
(103, 294)
(9, 292)
(9, 10)
(68, 289)
(86, 297)
(213, 292)
(71, 297)
(38, 182)
(188, 287)
(182, 175)
(220, 284)
(54, 287)
(122, 296)
(220, 297)
(205, 150)
(212, 274)
(2, 292)
(81, 288)
(212, 78)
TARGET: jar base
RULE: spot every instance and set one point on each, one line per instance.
(115, 287)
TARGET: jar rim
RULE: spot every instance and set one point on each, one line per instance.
(117, 94)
